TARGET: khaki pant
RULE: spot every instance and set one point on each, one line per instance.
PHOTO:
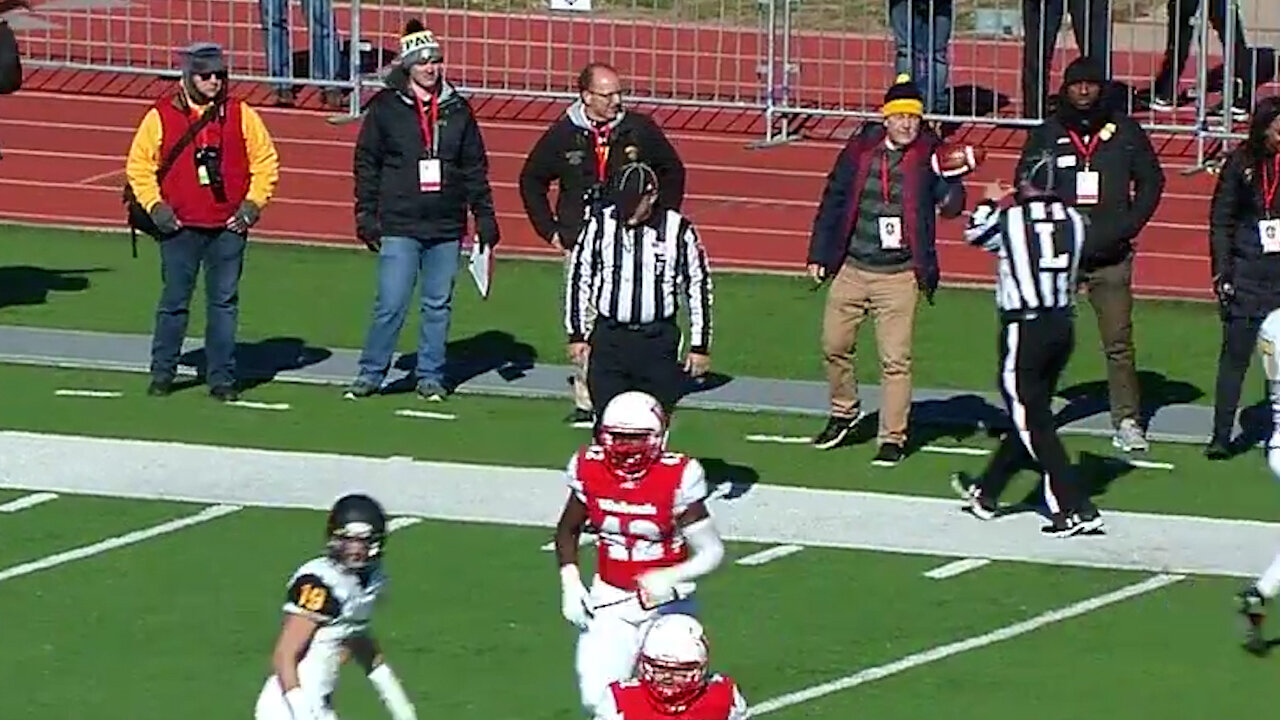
(581, 396)
(1111, 295)
(891, 300)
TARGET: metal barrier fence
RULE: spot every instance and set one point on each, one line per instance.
(793, 61)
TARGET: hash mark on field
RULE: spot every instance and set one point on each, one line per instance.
(1150, 464)
(253, 405)
(210, 513)
(769, 554)
(426, 414)
(955, 450)
(399, 523)
(973, 643)
(583, 540)
(952, 569)
(27, 501)
(783, 439)
(66, 392)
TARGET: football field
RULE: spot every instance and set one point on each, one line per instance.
(147, 544)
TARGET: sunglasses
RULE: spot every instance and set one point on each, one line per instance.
(219, 75)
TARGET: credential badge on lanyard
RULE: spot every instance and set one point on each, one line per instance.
(429, 175)
(1269, 227)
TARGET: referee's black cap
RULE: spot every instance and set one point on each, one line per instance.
(632, 183)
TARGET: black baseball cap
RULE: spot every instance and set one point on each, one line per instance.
(632, 183)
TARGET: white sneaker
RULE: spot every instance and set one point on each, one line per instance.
(1129, 437)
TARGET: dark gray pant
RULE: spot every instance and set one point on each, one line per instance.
(222, 254)
(642, 357)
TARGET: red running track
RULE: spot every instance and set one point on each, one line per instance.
(63, 164)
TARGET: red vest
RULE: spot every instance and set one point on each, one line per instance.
(193, 203)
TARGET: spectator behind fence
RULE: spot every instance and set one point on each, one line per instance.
(420, 164)
(1041, 20)
(10, 56)
(922, 36)
(324, 53)
(212, 194)
(1106, 169)
(1244, 237)
(874, 235)
(1163, 93)
(580, 151)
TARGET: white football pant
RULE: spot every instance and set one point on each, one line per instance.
(272, 705)
(607, 650)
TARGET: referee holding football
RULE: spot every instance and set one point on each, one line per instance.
(628, 262)
(1038, 241)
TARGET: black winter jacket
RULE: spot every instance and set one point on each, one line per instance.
(1237, 256)
(10, 61)
(389, 201)
(566, 153)
(1130, 177)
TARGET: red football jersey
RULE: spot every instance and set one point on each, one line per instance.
(719, 701)
(636, 521)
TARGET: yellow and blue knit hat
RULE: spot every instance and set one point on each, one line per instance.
(903, 98)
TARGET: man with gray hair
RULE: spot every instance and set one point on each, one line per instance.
(202, 166)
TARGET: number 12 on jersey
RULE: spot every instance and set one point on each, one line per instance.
(632, 540)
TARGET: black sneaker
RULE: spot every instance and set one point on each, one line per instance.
(1249, 603)
(1217, 449)
(1239, 110)
(890, 454)
(359, 389)
(979, 505)
(580, 418)
(160, 387)
(835, 432)
(224, 393)
(1076, 523)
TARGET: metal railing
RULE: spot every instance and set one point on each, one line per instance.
(798, 63)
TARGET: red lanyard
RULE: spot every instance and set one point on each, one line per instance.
(1086, 152)
(1269, 187)
(602, 153)
(429, 125)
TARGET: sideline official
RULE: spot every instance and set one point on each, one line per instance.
(1107, 170)
(1244, 239)
(631, 258)
(1038, 241)
(212, 194)
(579, 152)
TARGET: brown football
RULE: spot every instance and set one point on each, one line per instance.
(954, 159)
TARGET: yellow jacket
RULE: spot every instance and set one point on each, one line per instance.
(144, 157)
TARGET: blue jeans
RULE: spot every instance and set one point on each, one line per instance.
(921, 41)
(325, 46)
(222, 253)
(400, 262)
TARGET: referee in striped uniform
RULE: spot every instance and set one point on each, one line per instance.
(1038, 242)
(629, 262)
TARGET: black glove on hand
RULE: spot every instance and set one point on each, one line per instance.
(368, 231)
(246, 217)
(1223, 288)
(928, 286)
(162, 215)
(487, 229)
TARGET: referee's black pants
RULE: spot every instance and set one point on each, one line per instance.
(640, 357)
(1033, 353)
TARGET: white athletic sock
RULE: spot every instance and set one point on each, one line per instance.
(1269, 583)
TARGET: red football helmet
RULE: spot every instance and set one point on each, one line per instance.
(633, 434)
(673, 662)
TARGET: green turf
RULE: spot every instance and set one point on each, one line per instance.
(471, 623)
(765, 326)
(70, 522)
(531, 433)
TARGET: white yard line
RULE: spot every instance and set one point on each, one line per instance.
(254, 405)
(952, 569)
(941, 652)
(111, 543)
(399, 523)
(781, 439)
(955, 450)
(27, 501)
(69, 392)
(770, 554)
(426, 414)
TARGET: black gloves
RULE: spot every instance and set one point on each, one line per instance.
(368, 231)
(162, 215)
(487, 229)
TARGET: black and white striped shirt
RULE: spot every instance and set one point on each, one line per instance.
(1038, 243)
(633, 275)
